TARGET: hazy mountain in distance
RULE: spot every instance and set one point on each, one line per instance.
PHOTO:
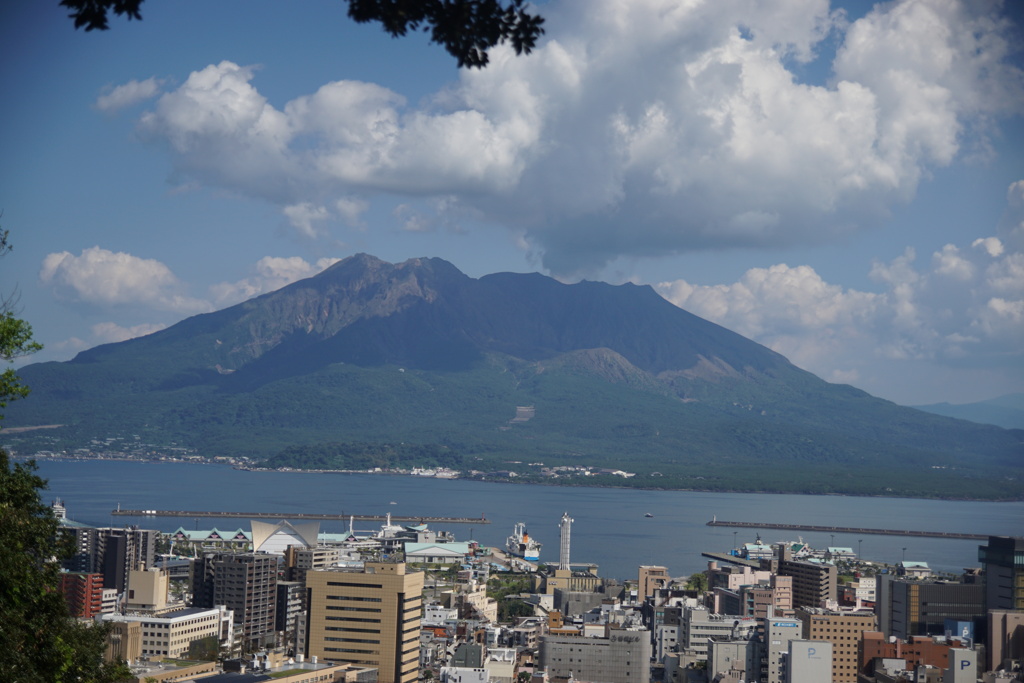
(1005, 411)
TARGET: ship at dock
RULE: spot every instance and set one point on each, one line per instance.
(521, 545)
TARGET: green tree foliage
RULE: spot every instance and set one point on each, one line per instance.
(42, 643)
(467, 29)
(15, 340)
(697, 582)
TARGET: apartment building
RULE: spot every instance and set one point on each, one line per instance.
(83, 593)
(299, 560)
(246, 583)
(814, 583)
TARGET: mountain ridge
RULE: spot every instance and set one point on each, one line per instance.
(419, 352)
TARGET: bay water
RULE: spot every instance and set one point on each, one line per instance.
(610, 526)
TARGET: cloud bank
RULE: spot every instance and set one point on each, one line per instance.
(106, 279)
(103, 278)
(640, 127)
(962, 306)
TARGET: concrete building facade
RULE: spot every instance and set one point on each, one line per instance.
(1005, 638)
(623, 657)
(650, 578)
(246, 583)
(810, 660)
(172, 634)
(814, 583)
(777, 634)
(843, 630)
(370, 617)
(920, 608)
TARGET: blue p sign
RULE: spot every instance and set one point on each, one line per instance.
(964, 663)
(811, 651)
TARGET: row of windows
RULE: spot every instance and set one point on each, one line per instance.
(353, 609)
(366, 621)
(353, 599)
(355, 585)
(370, 641)
(345, 649)
(353, 630)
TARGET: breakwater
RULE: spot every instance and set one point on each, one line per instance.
(849, 530)
(298, 515)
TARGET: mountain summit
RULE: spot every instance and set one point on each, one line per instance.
(507, 366)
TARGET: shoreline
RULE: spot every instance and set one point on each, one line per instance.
(163, 460)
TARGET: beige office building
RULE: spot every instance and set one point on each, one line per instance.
(369, 617)
(172, 634)
(844, 630)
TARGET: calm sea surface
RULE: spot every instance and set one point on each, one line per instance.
(610, 528)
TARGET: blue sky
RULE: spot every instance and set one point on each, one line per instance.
(842, 184)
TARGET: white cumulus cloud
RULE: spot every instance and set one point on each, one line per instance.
(639, 127)
(269, 273)
(967, 303)
(132, 92)
(109, 332)
(101, 277)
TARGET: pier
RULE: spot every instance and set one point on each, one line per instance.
(849, 530)
(297, 515)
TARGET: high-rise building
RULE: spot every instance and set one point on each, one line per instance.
(1003, 562)
(111, 551)
(920, 608)
(369, 617)
(246, 583)
(814, 583)
(777, 634)
(291, 607)
(83, 593)
(1005, 638)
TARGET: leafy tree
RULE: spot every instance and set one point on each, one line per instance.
(697, 582)
(15, 340)
(467, 29)
(42, 642)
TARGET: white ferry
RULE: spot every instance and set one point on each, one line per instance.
(521, 545)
